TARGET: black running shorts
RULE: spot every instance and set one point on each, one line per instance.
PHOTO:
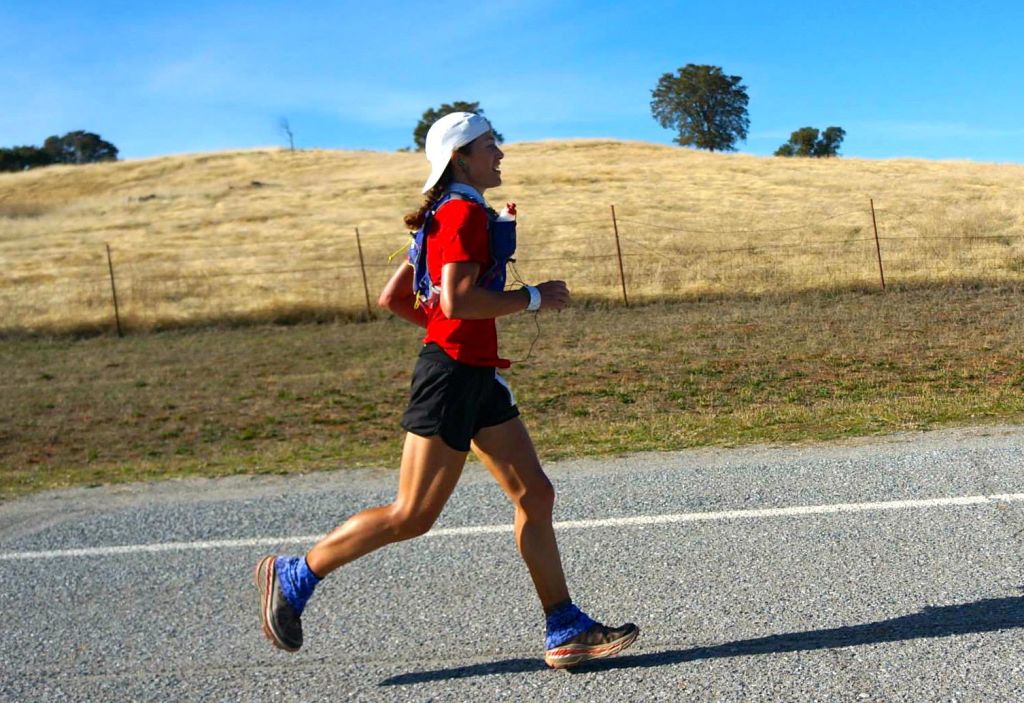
(455, 400)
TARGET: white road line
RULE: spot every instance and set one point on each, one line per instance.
(640, 520)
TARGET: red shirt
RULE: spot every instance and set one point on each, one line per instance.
(458, 233)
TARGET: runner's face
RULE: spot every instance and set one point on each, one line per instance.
(482, 165)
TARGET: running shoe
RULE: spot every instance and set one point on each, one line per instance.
(281, 624)
(595, 642)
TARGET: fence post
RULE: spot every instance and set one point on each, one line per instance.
(362, 267)
(878, 247)
(113, 290)
(622, 273)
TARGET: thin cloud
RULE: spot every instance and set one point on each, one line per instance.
(202, 75)
(923, 131)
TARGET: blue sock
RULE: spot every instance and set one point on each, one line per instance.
(296, 579)
(565, 623)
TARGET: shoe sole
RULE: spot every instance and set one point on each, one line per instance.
(571, 655)
(264, 579)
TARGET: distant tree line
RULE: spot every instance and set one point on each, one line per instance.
(78, 147)
(706, 107)
(709, 111)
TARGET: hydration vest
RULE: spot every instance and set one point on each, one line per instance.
(500, 233)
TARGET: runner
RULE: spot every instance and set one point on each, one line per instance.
(458, 402)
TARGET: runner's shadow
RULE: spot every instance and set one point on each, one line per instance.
(986, 615)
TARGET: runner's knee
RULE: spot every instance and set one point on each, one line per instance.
(537, 500)
(406, 523)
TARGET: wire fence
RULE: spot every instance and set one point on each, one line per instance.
(626, 256)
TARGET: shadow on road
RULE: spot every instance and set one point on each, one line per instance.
(982, 616)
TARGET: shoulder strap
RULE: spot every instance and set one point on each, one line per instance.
(451, 194)
(445, 197)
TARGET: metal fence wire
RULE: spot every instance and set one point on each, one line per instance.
(625, 256)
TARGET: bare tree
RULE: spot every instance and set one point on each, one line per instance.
(285, 127)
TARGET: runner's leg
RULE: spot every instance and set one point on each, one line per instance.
(508, 453)
(429, 471)
(572, 636)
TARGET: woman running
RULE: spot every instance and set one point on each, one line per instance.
(458, 402)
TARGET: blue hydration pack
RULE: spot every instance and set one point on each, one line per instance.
(502, 236)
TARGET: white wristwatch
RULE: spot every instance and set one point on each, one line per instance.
(534, 298)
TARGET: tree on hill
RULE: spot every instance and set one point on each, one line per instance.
(830, 140)
(20, 158)
(419, 135)
(807, 141)
(706, 107)
(79, 147)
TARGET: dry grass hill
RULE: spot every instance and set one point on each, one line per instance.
(737, 352)
(270, 234)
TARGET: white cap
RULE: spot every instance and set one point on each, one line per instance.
(452, 131)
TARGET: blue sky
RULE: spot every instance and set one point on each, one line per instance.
(920, 79)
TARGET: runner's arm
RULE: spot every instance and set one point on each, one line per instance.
(462, 299)
(398, 297)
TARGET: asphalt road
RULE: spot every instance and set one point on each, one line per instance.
(909, 601)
